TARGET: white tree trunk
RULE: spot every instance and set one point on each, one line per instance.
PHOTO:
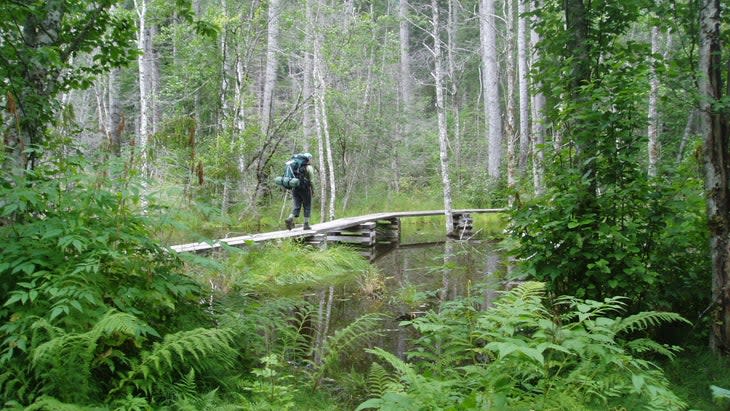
(653, 115)
(145, 101)
(224, 109)
(538, 119)
(116, 121)
(307, 89)
(522, 81)
(155, 86)
(405, 92)
(272, 50)
(451, 26)
(717, 168)
(405, 82)
(492, 110)
(441, 117)
(509, 126)
(321, 102)
(102, 111)
(688, 128)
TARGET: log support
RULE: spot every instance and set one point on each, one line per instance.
(463, 224)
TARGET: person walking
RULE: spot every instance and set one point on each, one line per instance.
(302, 195)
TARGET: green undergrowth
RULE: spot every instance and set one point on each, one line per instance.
(288, 268)
(692, 375)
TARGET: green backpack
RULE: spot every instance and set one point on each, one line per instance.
(295, 171)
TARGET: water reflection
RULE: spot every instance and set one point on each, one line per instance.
(418, 278)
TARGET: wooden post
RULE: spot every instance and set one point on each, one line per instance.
(388, 231)
(362, 234)
(462, 225)
(318, 240)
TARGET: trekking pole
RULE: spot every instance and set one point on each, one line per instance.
(283, 204)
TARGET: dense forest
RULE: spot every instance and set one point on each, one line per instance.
(602, 127)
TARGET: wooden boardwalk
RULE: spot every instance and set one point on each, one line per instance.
(360, 229)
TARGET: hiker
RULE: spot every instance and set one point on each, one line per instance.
(302, 195)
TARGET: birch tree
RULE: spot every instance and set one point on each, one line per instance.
(405, 89)
(324, 127)
(538, 119)
(714, 120)
(509, 124)
(272, 50)
(116, 118)
(522, 81)
(326, 159)
(490, 81)
(652, 132)
(441, 116)
(145, 102)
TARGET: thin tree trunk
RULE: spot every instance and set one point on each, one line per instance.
(101, 111)
(441, 116)
(538, 119)
(509, 127)
(405, 82)
(717, 169)
(327, 143)
(116, 120)
(522, 81)
(272, 50)
(492, 110)
(307, 110)
(155, 87)
(224, 109)
(688, 127)
(405, 91)
(451, 26)
(145, 103)
(653, 115)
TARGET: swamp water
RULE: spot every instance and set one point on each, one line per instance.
(415, 278)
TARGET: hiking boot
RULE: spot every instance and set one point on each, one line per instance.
(289, 223)
(306, 227)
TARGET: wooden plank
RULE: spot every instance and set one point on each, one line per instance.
(325, 227)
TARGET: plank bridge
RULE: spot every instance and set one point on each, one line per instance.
(365, 231)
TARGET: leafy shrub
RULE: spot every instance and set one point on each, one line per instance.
(94, 310)
(644, 241)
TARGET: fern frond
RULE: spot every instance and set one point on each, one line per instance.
(79, 346)
(590, 309)
(379, 381)
(200, 348)
(295, 333)
(523, 292)
(186, 387)
(46, 403)
(644, 345)
(363, 328)
(647, 319)
(404, 369)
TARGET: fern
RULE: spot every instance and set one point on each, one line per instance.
(47, 403)
(521, 356)
(379, 381)
(645, 345)
(186, 387)
(67, 360)
(404, 370)
(647, 319)
(359, 331)
(199, 348)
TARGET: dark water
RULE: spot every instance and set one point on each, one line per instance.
(415, 279)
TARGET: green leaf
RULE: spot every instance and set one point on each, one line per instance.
(14, 298)
(376, 403)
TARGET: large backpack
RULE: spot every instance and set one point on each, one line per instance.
(294, 172)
